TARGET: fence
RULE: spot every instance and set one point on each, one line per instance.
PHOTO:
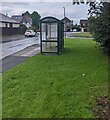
(9, 31)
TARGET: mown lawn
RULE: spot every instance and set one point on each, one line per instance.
(54, 87)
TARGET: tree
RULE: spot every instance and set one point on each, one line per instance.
(91, 24)
(22, 29)
(26, 13)
(99, 22)
(35, 20)
(100, 19)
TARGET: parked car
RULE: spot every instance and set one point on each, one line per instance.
(30, 33)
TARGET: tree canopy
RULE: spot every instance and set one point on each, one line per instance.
(99, 21)
(35, 20)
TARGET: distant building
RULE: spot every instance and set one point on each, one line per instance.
(84, 25)
(23, 19)
(17, 17)
(68, 24)
(8, 26)
(26, 20)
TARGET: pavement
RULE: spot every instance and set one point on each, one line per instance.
(70, 35)
(19, 57)
(11, 61)
(16, 51)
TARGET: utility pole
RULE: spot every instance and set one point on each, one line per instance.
(64, 23)
(64, 11)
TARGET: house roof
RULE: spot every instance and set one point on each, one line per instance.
(66, 19)
(4, 18)
(83, 21)
(26, 18)
(17, 17)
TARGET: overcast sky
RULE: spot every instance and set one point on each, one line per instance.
(55, 9)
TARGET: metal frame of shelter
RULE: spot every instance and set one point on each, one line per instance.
(51, 35)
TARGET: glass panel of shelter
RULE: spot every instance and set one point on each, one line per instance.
(49, 37)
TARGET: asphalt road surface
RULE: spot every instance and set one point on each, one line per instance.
(12, 47)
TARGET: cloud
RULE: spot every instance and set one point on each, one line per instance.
(36, 0)
(52, 0)
(46, 9)
(14, 3)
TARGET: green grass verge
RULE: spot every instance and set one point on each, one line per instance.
(53, 86)
(82, 34)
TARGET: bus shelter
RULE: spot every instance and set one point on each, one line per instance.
(51, 35)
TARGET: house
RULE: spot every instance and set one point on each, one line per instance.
(8, 26)
(26, 20)
(17, 18)
(84, 25)
(23, 19)
(68, 24)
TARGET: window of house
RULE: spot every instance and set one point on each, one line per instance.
(11, 25)
(6, 25)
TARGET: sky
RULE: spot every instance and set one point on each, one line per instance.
(55, 9)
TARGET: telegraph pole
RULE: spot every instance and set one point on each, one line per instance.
(64, 23)
(64, 11)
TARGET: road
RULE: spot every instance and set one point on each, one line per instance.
(12, 47)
